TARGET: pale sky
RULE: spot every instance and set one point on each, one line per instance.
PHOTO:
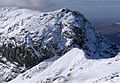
(90, 8)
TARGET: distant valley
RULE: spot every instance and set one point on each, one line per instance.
(110, 28)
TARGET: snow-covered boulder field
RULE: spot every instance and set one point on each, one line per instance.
(29, 37)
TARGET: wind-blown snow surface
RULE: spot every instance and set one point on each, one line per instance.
(74, 67)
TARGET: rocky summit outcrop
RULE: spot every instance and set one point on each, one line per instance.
(28, 37)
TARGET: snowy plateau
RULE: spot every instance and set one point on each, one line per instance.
(54, 47)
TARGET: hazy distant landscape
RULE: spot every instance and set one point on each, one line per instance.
(109, 27)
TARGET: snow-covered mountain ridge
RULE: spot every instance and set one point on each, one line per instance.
(74, 67)
(28, 37)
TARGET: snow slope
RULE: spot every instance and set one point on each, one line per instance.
(8, 70)
(73, 67)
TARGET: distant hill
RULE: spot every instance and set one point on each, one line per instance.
(111, 30)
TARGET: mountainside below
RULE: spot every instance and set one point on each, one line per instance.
(73, 67)
(28, 37)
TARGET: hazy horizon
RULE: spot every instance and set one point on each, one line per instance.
(90, 8)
